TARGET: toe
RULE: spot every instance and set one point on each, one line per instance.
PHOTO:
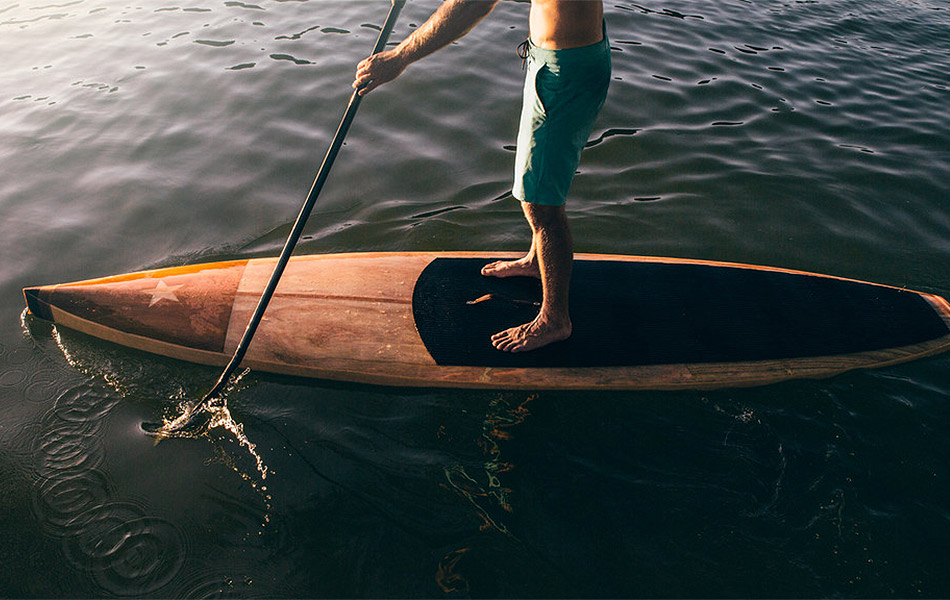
(503, 339)
(489, 268)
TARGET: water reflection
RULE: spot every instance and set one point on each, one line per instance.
(484, 490)
(483, 487)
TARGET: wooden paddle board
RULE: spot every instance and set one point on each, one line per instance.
(425, 319)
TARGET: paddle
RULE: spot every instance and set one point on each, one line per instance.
(335, 145)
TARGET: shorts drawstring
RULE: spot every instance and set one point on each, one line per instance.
(524, 48)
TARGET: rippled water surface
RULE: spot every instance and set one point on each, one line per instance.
(808, 135)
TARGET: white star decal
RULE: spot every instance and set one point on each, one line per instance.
(163, 291)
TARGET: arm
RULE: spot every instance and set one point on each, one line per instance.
(452, 20)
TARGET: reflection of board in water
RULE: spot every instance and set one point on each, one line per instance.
(425, 319)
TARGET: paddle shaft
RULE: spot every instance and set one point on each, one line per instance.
(305, 211)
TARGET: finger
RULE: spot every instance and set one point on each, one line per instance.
(368, 87)
(362, 79)
(363, 66)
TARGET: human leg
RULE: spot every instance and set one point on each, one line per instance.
(564, 91)
(553, 251)
(526, 266)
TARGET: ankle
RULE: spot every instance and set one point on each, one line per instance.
(555, 321)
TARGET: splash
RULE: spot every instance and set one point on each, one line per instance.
(196, 421)
(216, 416)
(220, 418)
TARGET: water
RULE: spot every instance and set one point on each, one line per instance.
(805, 135)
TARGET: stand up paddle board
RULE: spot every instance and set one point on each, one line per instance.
(425, 319)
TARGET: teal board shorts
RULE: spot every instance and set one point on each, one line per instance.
(564, 91)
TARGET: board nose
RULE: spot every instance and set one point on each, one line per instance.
(36, 303)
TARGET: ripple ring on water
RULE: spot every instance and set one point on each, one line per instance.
(126, 552)
(42, 385)
(69, 447)
(81, 404)
(12, 377)
(63, 500)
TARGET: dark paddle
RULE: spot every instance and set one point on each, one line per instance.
(188, 416)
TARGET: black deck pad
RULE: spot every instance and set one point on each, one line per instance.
(642, 313)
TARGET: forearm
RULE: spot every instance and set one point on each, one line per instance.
(452, 20)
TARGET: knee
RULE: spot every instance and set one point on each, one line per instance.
(544, 217)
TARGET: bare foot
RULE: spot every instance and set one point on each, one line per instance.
(523, 267)
(530, 336)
